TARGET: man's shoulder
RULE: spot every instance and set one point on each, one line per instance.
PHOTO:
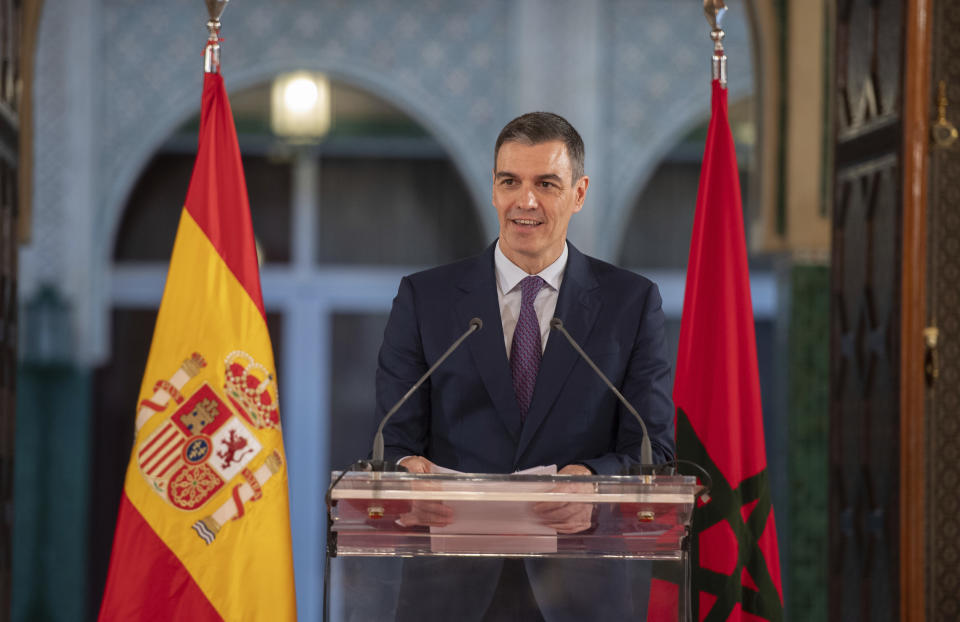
(451, 273)
(609, 275)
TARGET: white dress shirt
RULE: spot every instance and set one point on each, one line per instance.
(509, 294)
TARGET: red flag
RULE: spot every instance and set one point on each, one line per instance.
(203, 531)
(736, 567)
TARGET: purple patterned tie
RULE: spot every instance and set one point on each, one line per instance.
(525, 350)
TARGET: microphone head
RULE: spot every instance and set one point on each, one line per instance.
(476, 322)
(556, 323)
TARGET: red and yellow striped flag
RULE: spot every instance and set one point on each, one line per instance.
(204, 531)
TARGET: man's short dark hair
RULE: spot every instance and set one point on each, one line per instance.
(535, 128)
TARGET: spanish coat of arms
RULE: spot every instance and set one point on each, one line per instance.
(209, 439)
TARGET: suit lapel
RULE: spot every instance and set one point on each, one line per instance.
(577, 307)
(478, 298)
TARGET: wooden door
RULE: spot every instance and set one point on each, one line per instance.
(878, 287)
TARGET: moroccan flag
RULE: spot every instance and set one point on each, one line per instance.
(736, 567)
(203, 531)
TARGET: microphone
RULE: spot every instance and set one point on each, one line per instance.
(646, 453)
(376, 462)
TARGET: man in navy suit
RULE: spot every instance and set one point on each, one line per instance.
(515, 396)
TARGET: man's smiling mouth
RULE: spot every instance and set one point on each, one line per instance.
(525, 222)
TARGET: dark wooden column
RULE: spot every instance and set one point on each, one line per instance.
(10, 20)
(913, 298)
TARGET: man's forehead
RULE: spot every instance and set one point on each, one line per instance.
(545, 158)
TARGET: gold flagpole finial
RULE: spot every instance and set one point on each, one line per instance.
(211, 55)
(714, 10)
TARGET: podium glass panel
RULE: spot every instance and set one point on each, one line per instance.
(389, 514)
(448, 546)
(463, 588)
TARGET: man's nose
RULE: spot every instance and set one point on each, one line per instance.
(529, 199)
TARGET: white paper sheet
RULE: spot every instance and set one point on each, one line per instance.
(475, 521)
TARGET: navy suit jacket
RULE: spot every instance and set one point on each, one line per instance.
(466, 416)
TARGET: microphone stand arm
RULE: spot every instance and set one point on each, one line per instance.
(646, 452)
(377, 454)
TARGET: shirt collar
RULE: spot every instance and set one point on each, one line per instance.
(510, 274)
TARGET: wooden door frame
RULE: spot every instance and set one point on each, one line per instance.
(913, 305)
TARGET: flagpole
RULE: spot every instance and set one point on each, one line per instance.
(211, 53)
(714, 10)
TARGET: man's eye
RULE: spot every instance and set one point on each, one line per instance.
(546, 184)
(507, 182)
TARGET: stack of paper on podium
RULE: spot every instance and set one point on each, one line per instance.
(520, 529)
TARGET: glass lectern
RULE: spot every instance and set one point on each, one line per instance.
(378, 518)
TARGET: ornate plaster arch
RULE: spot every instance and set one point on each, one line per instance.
(114, 77)
(684, 118)
(458, 146)
(657, 88)
(434, 64)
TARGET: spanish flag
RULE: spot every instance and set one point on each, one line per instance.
(203, 531)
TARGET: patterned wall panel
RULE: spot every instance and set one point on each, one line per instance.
(943, 406)
(443, 62)
(43, 261)
(657, 90)
(865, 318)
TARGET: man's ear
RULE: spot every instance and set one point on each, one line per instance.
(581, 192)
